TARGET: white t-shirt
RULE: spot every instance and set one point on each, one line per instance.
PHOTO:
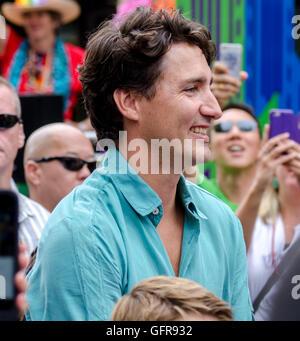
(260, 266)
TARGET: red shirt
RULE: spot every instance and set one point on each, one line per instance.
(75, 56)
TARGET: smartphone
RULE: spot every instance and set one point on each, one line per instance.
(284, 121)
(8, 255)
(231, 56)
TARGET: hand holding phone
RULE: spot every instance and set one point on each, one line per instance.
(231, 56)
(284, 121)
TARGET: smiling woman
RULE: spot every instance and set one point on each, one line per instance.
(235, 143)
(275, 231)
(268, 209)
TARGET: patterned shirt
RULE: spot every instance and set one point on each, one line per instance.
(32, 219)
(64, 73)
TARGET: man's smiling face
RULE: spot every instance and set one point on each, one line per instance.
(183, 106)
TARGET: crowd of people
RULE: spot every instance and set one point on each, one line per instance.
(114, 243)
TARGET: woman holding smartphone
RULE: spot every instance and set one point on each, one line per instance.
(276, 228)
(246, 167)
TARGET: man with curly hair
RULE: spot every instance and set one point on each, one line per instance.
(146, 80)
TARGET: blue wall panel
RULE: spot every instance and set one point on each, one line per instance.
(271, 59)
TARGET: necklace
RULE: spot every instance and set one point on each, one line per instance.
(39, 71)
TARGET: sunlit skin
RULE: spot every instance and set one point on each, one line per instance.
(287, 179)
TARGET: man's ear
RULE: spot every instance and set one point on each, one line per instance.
(32, 173)
(126, 102)
(21, 137)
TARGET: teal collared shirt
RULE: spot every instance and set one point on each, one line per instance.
(101, 240)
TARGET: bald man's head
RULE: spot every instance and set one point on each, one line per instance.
(50, 138)
(49, 181)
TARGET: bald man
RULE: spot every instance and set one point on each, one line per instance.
(57, 158)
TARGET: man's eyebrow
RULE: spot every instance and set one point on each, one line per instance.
(200, 80)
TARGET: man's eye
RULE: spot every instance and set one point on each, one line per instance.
(192, 89)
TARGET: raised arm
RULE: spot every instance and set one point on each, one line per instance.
(294, 165)
(224, 86)
(276, 151)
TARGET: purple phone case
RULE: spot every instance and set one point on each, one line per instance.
(283, 121)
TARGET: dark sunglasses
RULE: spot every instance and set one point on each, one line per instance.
(8, 121)
(226, 126)
(70, 163)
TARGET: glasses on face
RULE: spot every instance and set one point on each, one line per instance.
(70, 163)
(226, 126)
(8, 121)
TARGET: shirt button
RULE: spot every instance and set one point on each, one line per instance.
(155, 211)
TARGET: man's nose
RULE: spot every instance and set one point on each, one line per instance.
(211, 107)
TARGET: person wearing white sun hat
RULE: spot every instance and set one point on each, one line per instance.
(41, 63)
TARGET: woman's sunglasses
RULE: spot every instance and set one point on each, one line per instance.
(70, 163)
(226, 126)
(8, 121)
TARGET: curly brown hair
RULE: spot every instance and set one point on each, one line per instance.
(127, 55)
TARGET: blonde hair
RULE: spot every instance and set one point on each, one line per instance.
(165, 298)
(269, 206)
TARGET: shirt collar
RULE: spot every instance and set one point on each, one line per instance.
(140, 195)
(184, 191)
(137, 192)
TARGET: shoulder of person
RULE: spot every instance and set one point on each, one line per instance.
(88, 204)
